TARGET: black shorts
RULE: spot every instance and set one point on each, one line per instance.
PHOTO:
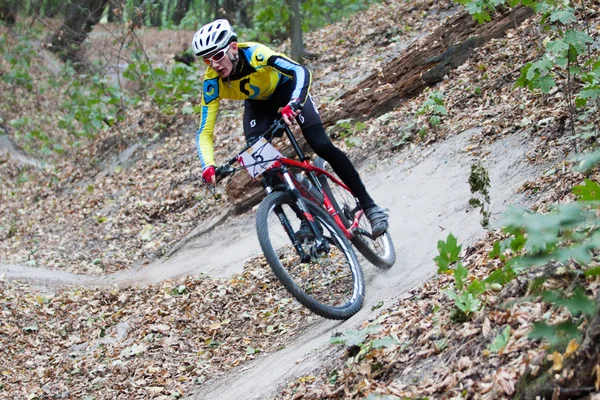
(260, 114)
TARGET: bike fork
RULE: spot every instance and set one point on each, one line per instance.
(321, 242)
(285, 222)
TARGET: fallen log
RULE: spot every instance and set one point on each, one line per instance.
(424, 64)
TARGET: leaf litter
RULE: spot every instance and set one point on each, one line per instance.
(164, 340)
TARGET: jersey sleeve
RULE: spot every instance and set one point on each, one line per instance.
(208, 116)
(299, 74)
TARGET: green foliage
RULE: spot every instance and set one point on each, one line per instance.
(467, 303)
(568, 232)
(165, 88)
(466, 297)
(358, 338)
(500, 341)
(577, 303)
(271, 19)
(434, 109)
(479, 181)
(19, 59)
(448, 253)
(92, 104)
(567, 55)
(346, 129)
(355, 338)
(557, 335)
(589, 191)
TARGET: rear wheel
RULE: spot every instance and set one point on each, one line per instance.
(325, 277)
(379, 251)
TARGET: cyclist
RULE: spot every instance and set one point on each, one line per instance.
(269, 83)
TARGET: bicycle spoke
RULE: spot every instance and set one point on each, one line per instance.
(379, 251)
(326, 276)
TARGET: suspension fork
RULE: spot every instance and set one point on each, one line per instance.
(285, 222)
(321, 242)
(302, 211)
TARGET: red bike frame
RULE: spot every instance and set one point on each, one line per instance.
(308, 167)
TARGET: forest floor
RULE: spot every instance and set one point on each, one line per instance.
(104, 215)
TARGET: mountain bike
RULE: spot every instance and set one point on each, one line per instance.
(306, 225)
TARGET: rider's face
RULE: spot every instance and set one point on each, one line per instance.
(224, 66)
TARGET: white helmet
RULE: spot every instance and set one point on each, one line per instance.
(212, 37)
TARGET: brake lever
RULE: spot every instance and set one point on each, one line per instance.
(223, 172)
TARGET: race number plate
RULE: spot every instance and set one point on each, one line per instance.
(258, 158)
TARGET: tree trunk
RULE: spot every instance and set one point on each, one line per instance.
(153, 14)
(114, 16)
(295, 30)
(229, 10)
(180, 10)
(80, 20)
(423, 64)
(6, 14)
(245, 19)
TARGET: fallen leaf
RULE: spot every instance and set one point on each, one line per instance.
(557, 361)
(571, 348)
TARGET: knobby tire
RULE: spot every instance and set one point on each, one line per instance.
(379, 251)
(340, 245)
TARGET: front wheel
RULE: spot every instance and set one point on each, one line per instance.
(379, 251)
(325, 277)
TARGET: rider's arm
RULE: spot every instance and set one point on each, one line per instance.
(264, 57)
(300, 75)
(208, 115)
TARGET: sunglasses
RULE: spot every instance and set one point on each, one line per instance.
(217, 57)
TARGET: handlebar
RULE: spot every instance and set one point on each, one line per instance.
(224, 171)
(275, 130)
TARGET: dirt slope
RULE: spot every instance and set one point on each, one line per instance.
(140, 334)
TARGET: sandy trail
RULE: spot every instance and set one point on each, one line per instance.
(427, 193)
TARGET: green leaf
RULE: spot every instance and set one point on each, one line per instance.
(476, 287)
(440, 110)
(333, 376)
(496, 252)
(555, 334)
(387, 341)
(563, 16)
(578, 39)
(500, 341)
(434, 120)
(589, 191)
(546, 83)
(591, 92)
(465, 301)
(593, 272)
(501, 276)
(557, 46)
(540, 68)
(460, 275)
(353, 338)
(587, 161)
(523, 80)
(448, 253)
(576, 304)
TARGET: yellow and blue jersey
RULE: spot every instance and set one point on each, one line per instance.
(257, 74)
